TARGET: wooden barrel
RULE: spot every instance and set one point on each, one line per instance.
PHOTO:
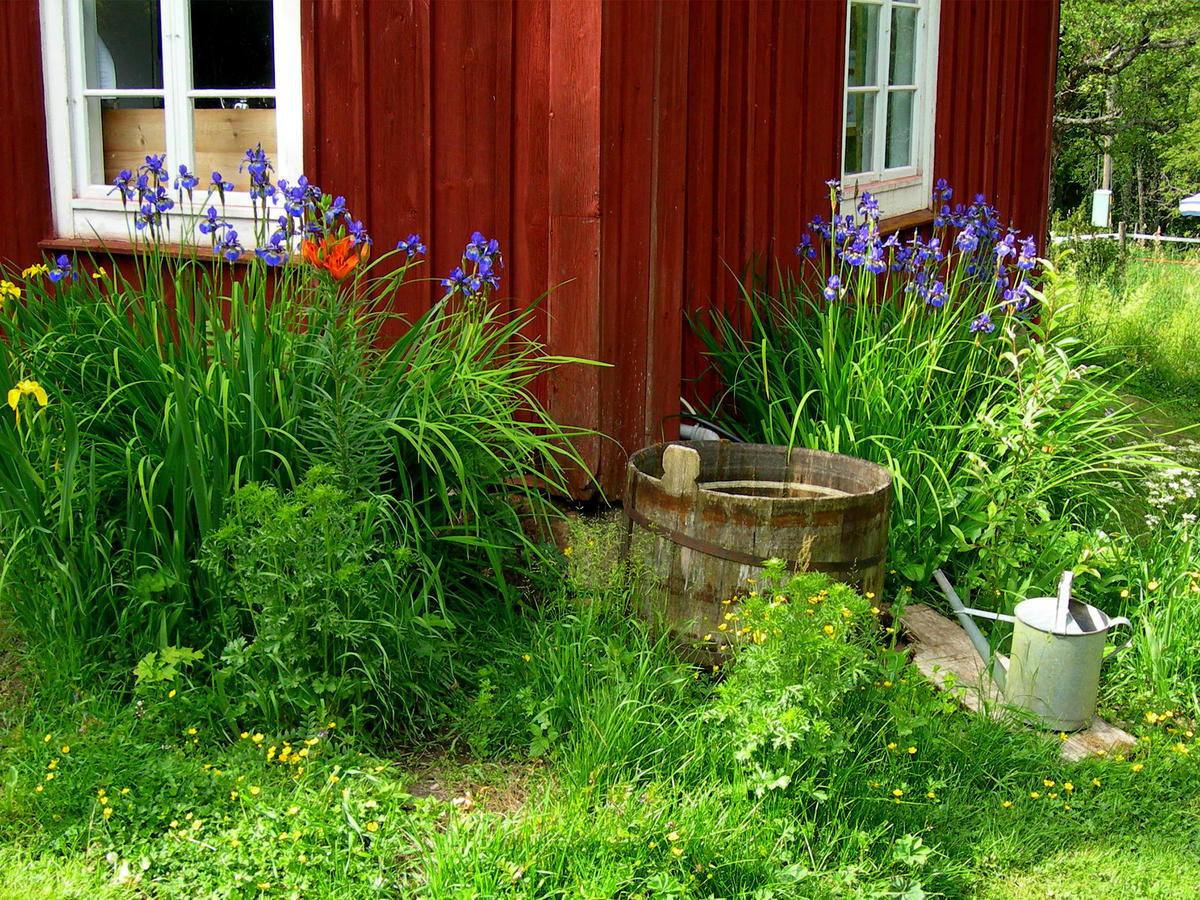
(704, 515)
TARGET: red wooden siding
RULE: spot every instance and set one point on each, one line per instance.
(627, 155)
(25, 184)
(995, 103)
(726, 117)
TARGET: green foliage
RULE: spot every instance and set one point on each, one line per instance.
(1127, 74)
(169, 393)
(782, 709)
(882, 380)
(987, 427)
(1146, 326)
(1092, 260)
(1062, 448)
(327, 608)
(163, 666)
(649, 789)
(147, 804)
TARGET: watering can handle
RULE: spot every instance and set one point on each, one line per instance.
(1112, 623)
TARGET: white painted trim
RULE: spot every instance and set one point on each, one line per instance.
(84, 209)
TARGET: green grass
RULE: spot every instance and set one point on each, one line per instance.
(1148, 319)
(46, 877)
(588, 761)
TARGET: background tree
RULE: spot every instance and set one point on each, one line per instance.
(1126, 103)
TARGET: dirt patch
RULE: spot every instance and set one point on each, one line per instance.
(501, 787)
(14, 680)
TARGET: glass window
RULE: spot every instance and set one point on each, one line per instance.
(199, 80)
(891, 64)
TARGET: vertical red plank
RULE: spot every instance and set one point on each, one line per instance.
(665, 292)
(574, 314)
(399, 137)
(626, 110)
(469, 71)
(341, 103)
(529, 251)
(700, 234)
(23, 155)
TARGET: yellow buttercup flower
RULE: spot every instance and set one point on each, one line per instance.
(26, 387)
(372, 827)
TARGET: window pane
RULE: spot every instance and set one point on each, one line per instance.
(862, 65)
(899, 129)
(122, 44)
(901, 69)
(233, 44)
(223, 135)
(860, 133)
(129, 135)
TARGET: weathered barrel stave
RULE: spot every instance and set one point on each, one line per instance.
(702, 547)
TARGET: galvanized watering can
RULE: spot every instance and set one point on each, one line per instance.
(1053, 671)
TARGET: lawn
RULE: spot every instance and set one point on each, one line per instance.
(279, 620)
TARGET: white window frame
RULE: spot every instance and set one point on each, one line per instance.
(83, 209)
(904, 189)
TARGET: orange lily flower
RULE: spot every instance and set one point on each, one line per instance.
(338, 258)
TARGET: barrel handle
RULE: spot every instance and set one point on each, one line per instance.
(1113, 623)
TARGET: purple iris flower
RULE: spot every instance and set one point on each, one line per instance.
(868, 206)
(411, 245)
(936, 297)
(257, 164)
(983, 323)
(458, 282)
(359, 233)
(275, 252)
(156, 166)
(186, 181)
(831, 287)
(210, 222)
(1028, 258)
(124, 184)
(967, 239)
(336, 210)
(229, 246)
(147, 217)
(63, 269)
(220, 185)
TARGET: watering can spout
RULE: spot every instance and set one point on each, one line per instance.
(982, 647)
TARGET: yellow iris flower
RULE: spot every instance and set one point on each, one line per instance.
(26, 387)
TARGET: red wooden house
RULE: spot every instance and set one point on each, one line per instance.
(626, 153)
